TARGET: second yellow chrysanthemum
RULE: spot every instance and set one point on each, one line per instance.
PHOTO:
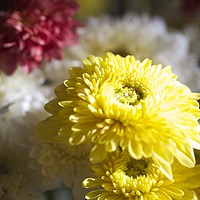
(115, 101)
(122, 177)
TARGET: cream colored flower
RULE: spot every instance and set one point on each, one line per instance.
(63, 163)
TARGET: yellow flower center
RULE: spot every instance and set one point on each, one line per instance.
(136, 168)
(129, 95)
(133, 177)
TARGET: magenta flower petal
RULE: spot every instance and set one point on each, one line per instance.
(35, 31)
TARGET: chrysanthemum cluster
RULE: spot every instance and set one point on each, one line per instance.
(33, 31)
(121, 126)
(141, 122)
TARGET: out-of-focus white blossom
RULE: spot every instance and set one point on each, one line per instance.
(21, 93)
(17, 180)
(141, 36)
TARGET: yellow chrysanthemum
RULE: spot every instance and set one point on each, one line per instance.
(115, 101)
(122, 177)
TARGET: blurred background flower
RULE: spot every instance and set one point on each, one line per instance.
(18, 180)
(33, 31)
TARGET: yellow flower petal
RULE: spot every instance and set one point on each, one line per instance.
(120, 101)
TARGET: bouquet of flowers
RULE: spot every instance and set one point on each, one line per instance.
(101, 108)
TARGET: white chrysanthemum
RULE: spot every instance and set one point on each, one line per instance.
(17, 180)
(140, 36)
(22, 92)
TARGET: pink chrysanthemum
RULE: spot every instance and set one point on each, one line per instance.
(33, 31)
